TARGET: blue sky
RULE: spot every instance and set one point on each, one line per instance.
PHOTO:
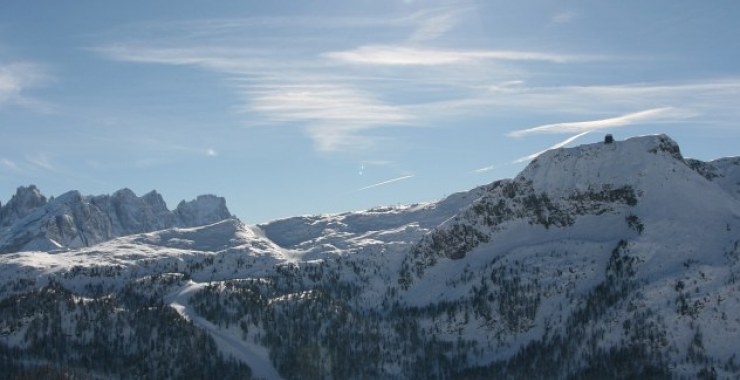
(303, 107)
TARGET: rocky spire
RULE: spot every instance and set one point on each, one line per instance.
(25, 200)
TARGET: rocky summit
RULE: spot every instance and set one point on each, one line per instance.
(608, 260)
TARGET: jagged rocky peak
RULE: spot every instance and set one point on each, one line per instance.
(155, 201)
(133, 214)
(25, 200)
(124, 195)
(205, 209)
(72, 220)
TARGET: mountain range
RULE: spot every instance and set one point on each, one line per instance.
(607, 260)
(31, 222)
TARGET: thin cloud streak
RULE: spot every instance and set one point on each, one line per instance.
(409, 56)
(580, 126)
(428, 24)
(720, 87)
(10, 165)
(484, 169)
(713, 98)
(556, 146)
(219, 59)
(327, 103)
(385, 182)
(42, 161)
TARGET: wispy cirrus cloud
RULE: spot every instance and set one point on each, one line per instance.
(336, 114)
(713, 89)
(279, 86)
(426, 24)
(434, 24)
(219, 59)
(714, 98)
(9, 165)
(337, 105)
(654, 114)
(331, 111)
(41, 160)
(346, 98)
(16, 79)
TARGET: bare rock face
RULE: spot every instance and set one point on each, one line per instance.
(206, 209)
(130, 214)
(72, 220)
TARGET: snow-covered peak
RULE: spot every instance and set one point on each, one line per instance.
(628, 185)
(629, 162)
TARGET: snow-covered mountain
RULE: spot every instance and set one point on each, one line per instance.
(30, 222)
(611, 260)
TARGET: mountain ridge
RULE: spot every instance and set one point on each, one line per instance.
(614, 260)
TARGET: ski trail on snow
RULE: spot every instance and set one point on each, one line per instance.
(256, 357)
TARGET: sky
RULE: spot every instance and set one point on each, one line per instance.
(309, 107)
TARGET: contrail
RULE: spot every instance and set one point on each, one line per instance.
(556, 146)
(620, 121)
(386, 182)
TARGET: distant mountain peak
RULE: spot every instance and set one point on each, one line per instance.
(29, 222)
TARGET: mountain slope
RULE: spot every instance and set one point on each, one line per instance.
(585, 244)
(600, 261)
